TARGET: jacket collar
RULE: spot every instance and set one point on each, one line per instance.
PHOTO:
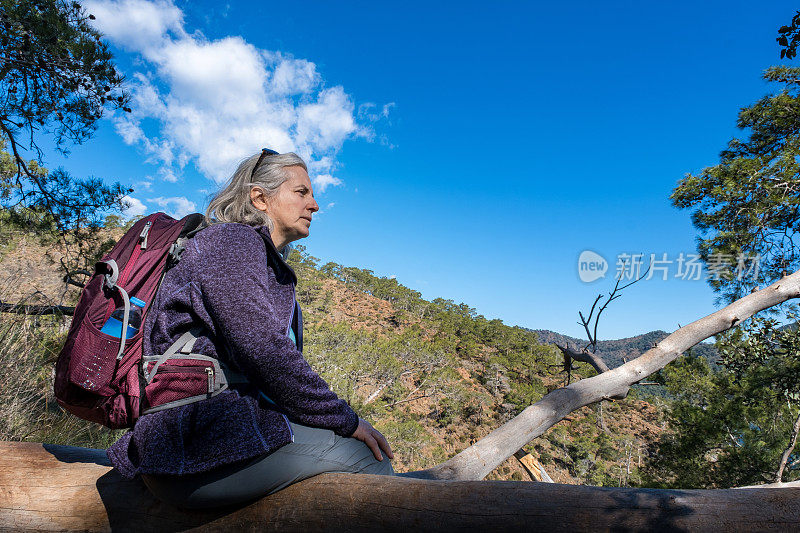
(282, 269)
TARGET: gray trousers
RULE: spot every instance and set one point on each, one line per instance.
(314, 451)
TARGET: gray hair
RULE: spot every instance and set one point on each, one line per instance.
(232, 203)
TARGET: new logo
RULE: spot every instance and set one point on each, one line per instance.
(591, 266)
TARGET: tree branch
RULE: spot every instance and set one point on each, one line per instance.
(372, 397)
(481, 458)
(585, 356)
(22, 309)
(788, 451)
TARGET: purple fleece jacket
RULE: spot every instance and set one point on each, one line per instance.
(233, 282)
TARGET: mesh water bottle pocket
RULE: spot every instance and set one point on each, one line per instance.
(94, 358)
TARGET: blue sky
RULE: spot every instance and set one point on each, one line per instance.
(471, 149)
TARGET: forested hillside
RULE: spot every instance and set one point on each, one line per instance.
(433, 376)
(618, 351)
(436, 376)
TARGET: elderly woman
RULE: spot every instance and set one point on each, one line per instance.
(282, 424)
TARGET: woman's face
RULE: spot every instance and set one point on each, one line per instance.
(290, 208)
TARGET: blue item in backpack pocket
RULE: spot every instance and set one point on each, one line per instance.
(113, 325)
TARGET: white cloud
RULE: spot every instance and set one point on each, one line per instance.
(175, 206)
(291, 76)
(133, 207)
(323, 181)
(145, 184)
(370, 111)
(371, 116)
(167, 174)
(136, 25)
(214, 102)
(327, 122)
(130, 131)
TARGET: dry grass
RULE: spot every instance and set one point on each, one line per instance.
(29, 346)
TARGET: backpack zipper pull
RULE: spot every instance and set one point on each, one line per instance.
(210, 372)
(145, 231)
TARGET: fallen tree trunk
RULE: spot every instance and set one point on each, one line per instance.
(46, 487)
(488, 453)
(62, 488)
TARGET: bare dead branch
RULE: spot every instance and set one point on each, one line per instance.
(788, 451)
(613, 295)
(478, 460)
(68, 279)
(585, 357)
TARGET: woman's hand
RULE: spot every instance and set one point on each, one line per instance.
(373, 439)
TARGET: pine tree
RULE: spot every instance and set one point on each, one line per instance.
(747, 207)
(56, 80)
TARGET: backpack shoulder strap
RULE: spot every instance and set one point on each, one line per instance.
(192, 224)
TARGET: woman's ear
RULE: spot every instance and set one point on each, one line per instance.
(258, 199)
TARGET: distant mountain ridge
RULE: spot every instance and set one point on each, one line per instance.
(617, 352)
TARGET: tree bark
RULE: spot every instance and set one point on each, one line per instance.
(61, 488)
(788, 451)
(478, 460)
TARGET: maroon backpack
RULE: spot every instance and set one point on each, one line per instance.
(104, 379)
